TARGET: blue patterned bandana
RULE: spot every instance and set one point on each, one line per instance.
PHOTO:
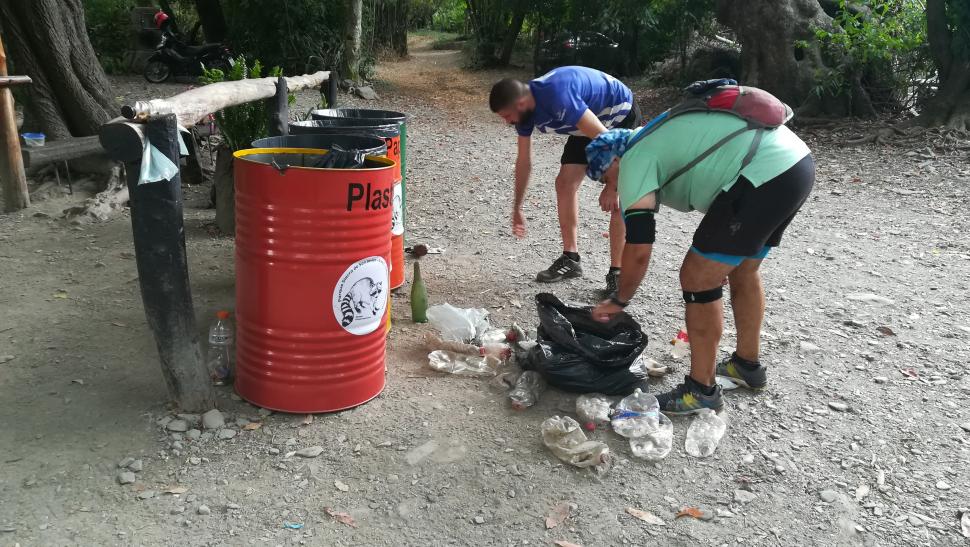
(605, 148)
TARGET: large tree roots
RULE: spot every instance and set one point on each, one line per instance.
(104, 204)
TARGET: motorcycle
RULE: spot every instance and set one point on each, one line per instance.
(173, 58)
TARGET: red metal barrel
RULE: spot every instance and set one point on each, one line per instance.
(312, 281)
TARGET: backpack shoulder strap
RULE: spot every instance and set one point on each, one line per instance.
(693, 163)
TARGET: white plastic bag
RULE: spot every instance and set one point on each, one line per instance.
(458, 324)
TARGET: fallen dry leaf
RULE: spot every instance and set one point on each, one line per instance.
(308, 419)
(564, 543)
(344, 518)
(911, 372)
(559, 514)
(885, 331)
(117, 324)
(645, 516)
(692, 512)
(252, 426)
(175, 490)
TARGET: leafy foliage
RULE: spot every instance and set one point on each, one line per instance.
(242, 124)
(878, 47)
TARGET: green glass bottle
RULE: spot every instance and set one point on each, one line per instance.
(419, 297)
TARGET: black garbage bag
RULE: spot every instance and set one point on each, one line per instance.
(579, 354)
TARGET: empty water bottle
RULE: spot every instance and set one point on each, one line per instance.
(654, 445)
(219, 360)
(636, 415)
(704, 433)
(462, 365)
(527, 390)
(681, 345)
(593, 410)
(564, 437)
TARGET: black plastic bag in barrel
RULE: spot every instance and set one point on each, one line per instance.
(576, 353)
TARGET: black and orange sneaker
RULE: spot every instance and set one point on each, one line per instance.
(689, 398)
(753, 376)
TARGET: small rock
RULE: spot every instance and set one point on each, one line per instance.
(213, 419)
(41, 214)
(125, 462)
(192, 419)
(204, 510)
(177, 510)
(965, 427)
(147, 494)
(126, 477)
(136, 466)
(242, 422)
(193, 434)
(206, 436)
(943, 485)
(808, 347)
(511, 493)
(367, 93)
(724, 514)
(479, 520)
(264, 412)
(178, 426)
(915, 521)
(309, 452)
(232, 507)
(195, 460)
(841, 407)
(273, 450)
(828, 496)
(747, 459)
(744, 496)
(226, 434)
(880, 379)
(6, 359)
(341, 486)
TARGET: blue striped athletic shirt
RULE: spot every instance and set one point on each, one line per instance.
(565, 93)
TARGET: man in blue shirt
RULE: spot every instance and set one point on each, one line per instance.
(582, 103)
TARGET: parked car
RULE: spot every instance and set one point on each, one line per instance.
(590, 49)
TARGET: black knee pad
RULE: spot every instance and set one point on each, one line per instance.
(704, 297)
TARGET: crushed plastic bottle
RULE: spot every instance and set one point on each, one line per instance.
(528, 387)
(462, 365)
(636, 415)
(704, 433)
(655, 445)
(564, 437)
(681, 345)
(593, 410)
(219, 360)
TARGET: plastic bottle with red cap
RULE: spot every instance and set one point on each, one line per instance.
(219, 360)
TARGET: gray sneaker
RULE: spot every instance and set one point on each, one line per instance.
(563, 268)
(730, 368)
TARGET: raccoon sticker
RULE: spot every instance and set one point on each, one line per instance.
(360, 297)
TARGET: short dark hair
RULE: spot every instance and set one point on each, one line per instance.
(505, 92)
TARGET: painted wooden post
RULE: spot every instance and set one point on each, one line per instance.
(163, 273)
(12, 175)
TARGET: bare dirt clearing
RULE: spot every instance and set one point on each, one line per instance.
(443, 460)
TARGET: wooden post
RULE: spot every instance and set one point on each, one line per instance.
(15, 193)
(159, 235)
(279, 110)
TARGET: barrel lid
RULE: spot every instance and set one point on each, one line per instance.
(303, 158)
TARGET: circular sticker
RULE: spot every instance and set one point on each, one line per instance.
(397, 214)
(360, 297)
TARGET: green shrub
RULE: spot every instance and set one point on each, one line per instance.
(242, 124)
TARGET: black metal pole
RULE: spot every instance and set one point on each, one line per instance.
(332, 88)
(159, 235)
(278, 108)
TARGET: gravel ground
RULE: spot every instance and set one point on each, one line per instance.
(862, 439)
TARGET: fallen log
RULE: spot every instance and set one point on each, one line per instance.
(195, 104)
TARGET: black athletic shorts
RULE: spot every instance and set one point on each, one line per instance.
(575, 149)
(744, 220)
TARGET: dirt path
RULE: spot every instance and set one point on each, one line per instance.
(82, 390)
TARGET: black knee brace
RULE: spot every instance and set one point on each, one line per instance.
(704, 297)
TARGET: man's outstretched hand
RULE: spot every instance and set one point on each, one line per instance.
(518, 223)
(605, 310)
(609, 201)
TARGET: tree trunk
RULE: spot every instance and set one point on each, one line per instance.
(212, 19)
(353, 23)
(767, 31)
(225, 191)
(391, 25)
(950, 107)
(48, 41)
(515, 27)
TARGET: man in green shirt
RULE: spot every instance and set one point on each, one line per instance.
(747, 202)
